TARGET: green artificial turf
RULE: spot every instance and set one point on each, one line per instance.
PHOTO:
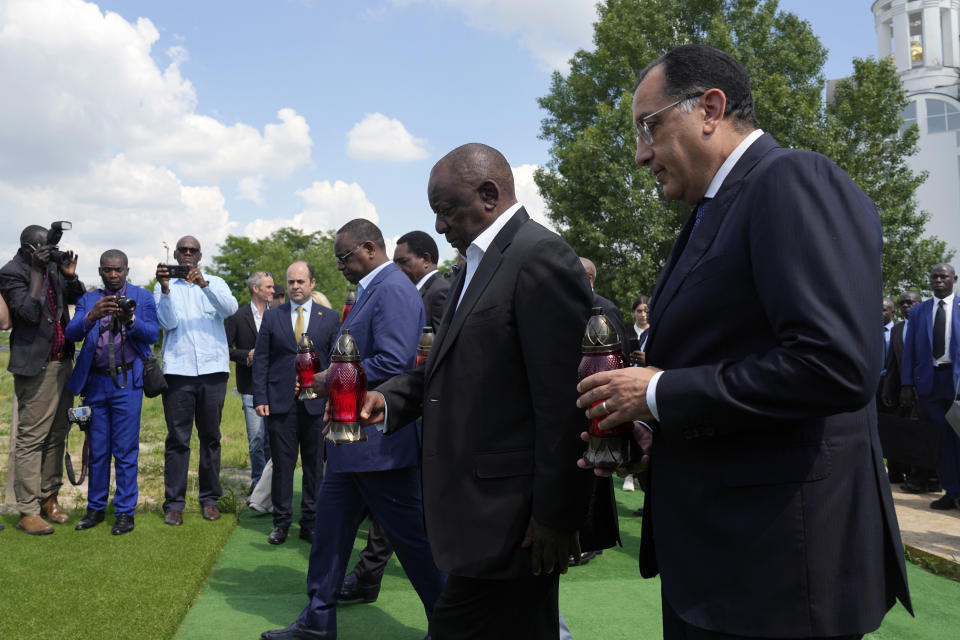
(94, 585)
(256, 586)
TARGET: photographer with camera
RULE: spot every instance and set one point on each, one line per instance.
(38, 284)
(118, 326)
(191, 307)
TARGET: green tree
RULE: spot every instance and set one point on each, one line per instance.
(239, 257)
(607, 207)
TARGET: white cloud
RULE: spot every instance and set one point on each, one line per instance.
(552, 30)
(120, 204)
(327, 207)
(80, 84)
(528, 194)
(378, 137)
(251, 188)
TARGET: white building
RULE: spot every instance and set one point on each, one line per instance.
(923, 36)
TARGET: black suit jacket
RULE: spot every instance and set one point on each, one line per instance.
(241, 331)
(498, 399)
(274, 357)
(434, 293)
(768, 511)
(32, 326)
(890, 385)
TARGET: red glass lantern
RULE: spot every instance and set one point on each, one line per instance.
(307, 364)
(426, 343)
(608, 448)
(346, 385)
(348, 304)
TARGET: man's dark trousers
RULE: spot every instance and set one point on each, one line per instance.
(186, 399)
(114, 431)
(394, 495)
(288, 433)
(526, 608)
(933, 407)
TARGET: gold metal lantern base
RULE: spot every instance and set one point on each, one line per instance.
(346, 432)
(612, 452)
(307, 394)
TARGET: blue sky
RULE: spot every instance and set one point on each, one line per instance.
(143, 121)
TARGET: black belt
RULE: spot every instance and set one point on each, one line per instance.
(120, 369)
(942, 366)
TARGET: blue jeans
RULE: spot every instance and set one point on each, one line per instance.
(257, 437)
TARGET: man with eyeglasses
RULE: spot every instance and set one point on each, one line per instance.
(383, 473)
(768, 513)
(196, 365)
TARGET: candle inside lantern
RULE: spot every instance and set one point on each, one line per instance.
(346, 386)
(307, 364)
(606, 448)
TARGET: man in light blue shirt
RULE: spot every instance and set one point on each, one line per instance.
(196, 366)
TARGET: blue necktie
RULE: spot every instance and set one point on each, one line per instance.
(700, 209)
(359, 293)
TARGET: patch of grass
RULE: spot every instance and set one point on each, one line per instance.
(91, 584)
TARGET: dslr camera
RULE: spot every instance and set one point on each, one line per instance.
(54, 233)
(80, 416)
(127, 305)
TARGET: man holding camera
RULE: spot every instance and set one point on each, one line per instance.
(118, 326)
(38, 284)
(192, 307)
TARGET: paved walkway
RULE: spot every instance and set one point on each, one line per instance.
(932, 537)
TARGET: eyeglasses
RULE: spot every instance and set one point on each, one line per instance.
(188, 249)
(643, 129)
(341, 260)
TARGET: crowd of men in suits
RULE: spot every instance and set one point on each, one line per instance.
(767, 511)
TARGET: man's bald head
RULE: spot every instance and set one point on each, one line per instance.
(591, 270)
(475, 163)
(188, 251)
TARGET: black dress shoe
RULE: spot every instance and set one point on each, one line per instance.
(278, 536)
(306, 533)
(90, 519)
(124, 524)
(944, 503)
(353, 590)
(173, 518)
(298, 632)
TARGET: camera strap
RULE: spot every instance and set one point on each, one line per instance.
(111, 356)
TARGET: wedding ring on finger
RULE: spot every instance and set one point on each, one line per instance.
(603, 405)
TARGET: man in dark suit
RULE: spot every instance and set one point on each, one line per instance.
(38, 292)
(416, 255)
(380, 474)
(112, 385)
(242, 328)
(292, 424)
(931, 370)
(502, 499)
(919, 479)
(763, 419)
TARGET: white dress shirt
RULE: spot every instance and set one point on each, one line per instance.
(480, 245)
(948, 310)
(424, 279)
(712, 190)
(307, 306)
(257, 316)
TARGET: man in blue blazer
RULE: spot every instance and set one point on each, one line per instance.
(292, 424)
(931, 370)
(117, 340)
(768, 513)
(381, 474)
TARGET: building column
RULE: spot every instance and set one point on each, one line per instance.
(932, 37)
(950, 26)
(901, 37)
